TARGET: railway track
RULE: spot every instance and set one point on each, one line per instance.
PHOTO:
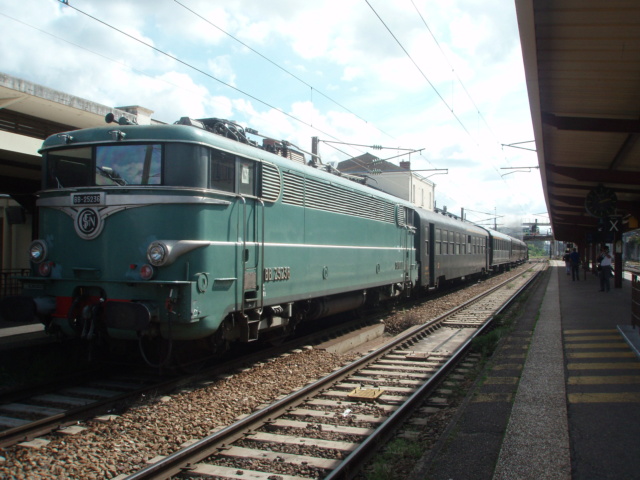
(329, 428)
(28, 413)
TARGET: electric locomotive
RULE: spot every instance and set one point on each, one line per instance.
(193, 233)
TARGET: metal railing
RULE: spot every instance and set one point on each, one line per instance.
(9, 284)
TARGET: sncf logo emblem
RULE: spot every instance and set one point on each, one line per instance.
(88, 223)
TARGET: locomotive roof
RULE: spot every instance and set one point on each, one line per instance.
(189, 134)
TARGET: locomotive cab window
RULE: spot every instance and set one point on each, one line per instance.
(109, 165)
(223, 171)
(68, 168)
(186, 165)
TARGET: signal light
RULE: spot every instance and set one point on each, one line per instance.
(146, 272)
(45, 268)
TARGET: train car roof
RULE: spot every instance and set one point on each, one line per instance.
(504, 236)
(429, 216)
(190, 134)
(496, 234)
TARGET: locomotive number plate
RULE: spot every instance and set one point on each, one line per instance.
(277, 274)
(87, 198)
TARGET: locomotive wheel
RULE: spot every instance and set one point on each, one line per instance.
(218, 344)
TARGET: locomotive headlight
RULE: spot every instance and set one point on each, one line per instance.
(161, 253)
(157, 254)
(38, 251)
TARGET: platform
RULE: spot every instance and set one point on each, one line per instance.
(561, 396)
(16, 335)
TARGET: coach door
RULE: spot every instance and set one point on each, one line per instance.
(405, 218)
(428, 257)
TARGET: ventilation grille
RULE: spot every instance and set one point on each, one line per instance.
(331, 198)
(270, 182)
(402, 217)
(293, 189)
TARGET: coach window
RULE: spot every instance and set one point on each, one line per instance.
(246, 177)
(223, 167)
(438, 241)
(452, 243)
(457, 243)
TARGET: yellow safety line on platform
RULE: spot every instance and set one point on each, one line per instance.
(581, 332)
(604, 397)
(590, 338)
(620, 344)
(601, 355)
(596, 380)
(509, 366)
(604, 366)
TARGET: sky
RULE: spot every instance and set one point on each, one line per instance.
(443, 78)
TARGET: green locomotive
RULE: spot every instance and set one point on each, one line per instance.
(194, 233)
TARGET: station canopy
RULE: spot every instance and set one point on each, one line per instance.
(582, 65)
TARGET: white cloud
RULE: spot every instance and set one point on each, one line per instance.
(337, 48)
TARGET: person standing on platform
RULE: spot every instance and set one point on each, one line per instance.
(605, 269)
(574, 258)
(567, 261)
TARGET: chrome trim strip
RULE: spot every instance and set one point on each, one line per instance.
(125, 201)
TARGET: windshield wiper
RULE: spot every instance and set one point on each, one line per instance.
(111, 174)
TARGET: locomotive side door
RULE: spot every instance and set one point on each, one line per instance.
(251, 234)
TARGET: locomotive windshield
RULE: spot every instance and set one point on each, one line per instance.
(113, 165)
(170, 164)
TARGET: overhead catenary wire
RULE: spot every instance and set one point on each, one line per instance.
(288, 72)
(199, 70)
(175, 58)
(419, 69)
(454, 71)
(442, 99)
